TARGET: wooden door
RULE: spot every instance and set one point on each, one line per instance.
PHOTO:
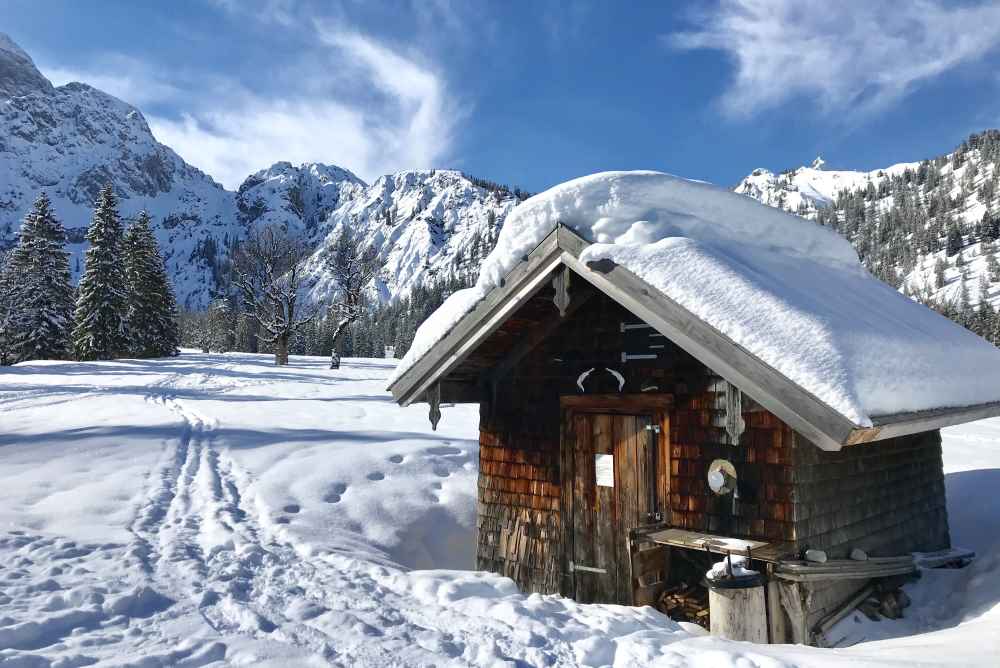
(614, 491)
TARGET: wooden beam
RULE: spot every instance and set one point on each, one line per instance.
(903, 424)
(618, 403)
(535, 337)
(519, 285)
(798, 408)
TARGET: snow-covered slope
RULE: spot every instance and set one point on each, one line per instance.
(299, 200)
(899, 217)
(218, 510)
(426, 225)
(71, 140)
(805, 189)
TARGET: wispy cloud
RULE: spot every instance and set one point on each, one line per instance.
(364, 105)
(126, 78)
(856, 57)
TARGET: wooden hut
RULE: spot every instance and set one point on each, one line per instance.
(604, 405)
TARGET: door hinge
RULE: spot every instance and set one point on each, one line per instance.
(573, 567)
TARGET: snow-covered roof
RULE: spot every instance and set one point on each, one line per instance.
(785, 291)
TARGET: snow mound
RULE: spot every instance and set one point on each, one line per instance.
(740, 565)
(790, 292)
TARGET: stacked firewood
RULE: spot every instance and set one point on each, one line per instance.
(885, 601)
(685, 603)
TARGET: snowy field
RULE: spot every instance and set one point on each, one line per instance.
(214, 509)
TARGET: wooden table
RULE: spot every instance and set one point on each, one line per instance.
(706, 542)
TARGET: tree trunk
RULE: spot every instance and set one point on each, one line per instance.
(281, 350)
(340, 331)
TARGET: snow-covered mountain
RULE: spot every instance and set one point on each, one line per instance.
(299, 200)
(805, 189)
(927, 227)
(70, 140)
(426, 225)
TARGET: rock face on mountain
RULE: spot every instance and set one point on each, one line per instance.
(426, 226)
(18, 74)
(71, 140)
(299, 200)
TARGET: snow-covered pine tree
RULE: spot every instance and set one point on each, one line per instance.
(102, 300)
(8, 280)
(42, 297)
(152, 310)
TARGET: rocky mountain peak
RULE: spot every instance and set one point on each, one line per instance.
(18, 74)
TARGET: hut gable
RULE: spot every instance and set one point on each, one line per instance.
(466, 322)
(778, 306)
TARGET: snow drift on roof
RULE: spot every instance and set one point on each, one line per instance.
(787, 290)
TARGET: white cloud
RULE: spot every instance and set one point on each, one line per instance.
(347, 100)
(416, 125)
(856, 57)
(230, 144)
(125, 78)
(390, 113)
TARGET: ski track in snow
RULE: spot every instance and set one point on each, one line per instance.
(198, 542)
(211, 572)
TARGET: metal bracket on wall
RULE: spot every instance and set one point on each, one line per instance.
(629, 356)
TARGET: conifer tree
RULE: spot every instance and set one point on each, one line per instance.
(102, 300)
(8, 279)
(152, 309)
(939, 273)
(42, 298)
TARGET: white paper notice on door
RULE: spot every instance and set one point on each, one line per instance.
(604, 470)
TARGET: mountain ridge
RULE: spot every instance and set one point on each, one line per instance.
(929, 227)
(70, 140)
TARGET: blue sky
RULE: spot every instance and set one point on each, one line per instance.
(534, 93)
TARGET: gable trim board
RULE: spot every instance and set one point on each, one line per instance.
(800, 409)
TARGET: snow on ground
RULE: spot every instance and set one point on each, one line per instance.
(214, 509)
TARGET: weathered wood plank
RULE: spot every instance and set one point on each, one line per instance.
(625, 436)
(606, 537)
(567, 466)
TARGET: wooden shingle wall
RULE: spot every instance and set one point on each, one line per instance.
(886, 497)
(519, 491)
(763, 463)
(519, 484)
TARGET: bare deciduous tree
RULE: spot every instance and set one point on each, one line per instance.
(352, 268)
(268, 272)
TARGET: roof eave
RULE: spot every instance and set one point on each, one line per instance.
(904, 424)
(798, 408)
(520, 284)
